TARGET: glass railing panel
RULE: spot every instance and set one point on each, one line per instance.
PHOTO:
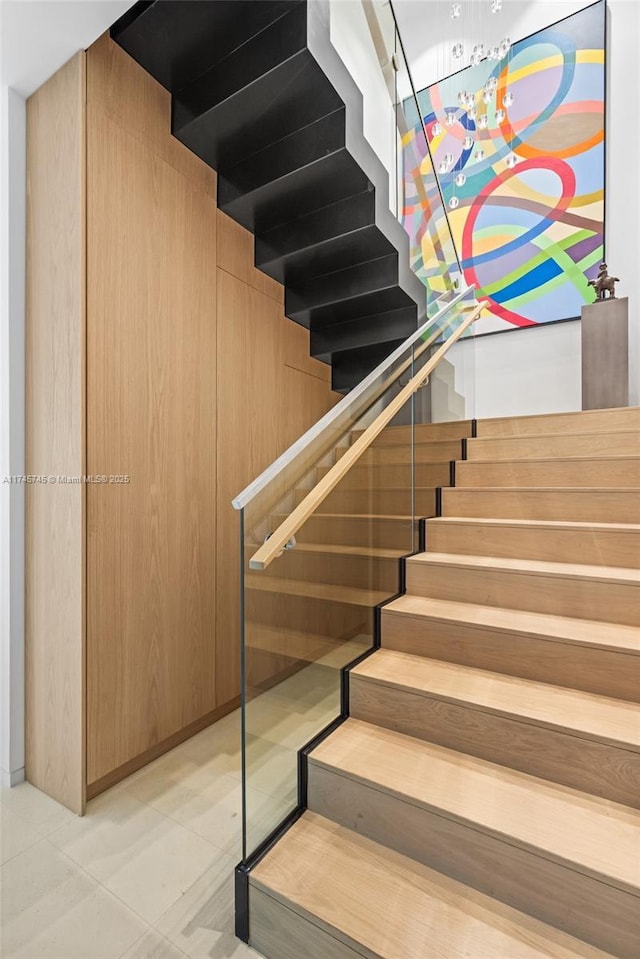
(311, 610)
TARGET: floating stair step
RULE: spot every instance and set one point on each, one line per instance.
(345, 595)
(271, 85)
(560, 589)
(177, 41)
(557, 504)
(362, 331)
(336, 236)
(347, 283)
(600, 544)
(432, 916)
(300, 173)
(588, 421)
(598, 472)
(364, 568)
(376, 530)
(400, 475)
(421, 433)
(433, 451)
(349, 500)
(297, 646)
(612, 443)
(596, 657)
(588, 742)
(568, 858)
(350, 366)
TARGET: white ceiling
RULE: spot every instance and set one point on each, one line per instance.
(428, 32)
(38, 36)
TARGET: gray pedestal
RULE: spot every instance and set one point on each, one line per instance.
(605, 354)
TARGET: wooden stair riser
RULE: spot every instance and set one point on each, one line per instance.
(428, 453)
(397, 501)
(597, 546)
(421, 433)
(536, 657)
(601, 769)
(623, 443)
(588, 473)
(332, 619)
(361, 571)
(397, 475)
(590, 421)
(578, 903)
(354, 530)
(279, 931)
(558, 505)
(575, 596)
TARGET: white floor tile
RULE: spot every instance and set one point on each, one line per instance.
(153, 946)
(39, 810)
(202, 922)
(51, 909)
(16, 834)
(145, 858)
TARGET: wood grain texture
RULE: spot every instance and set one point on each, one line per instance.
(151, 416)
(602, 544)
(595, 657)
(55, 436)
(618, 471)
(605, 593)
(255, 341)
(573, 505)
(277, 930)
(595, 837)
(613, 443)
(509, 721)
(130, 97)
(592, 421)
(355, 881)
(422, 433)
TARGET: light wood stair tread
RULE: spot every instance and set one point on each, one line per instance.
(349, 595)
(542, 625)
(538, 523)
(542, 435)
(593, 836)
(610, 574)
(580, 714)
(384, 517)
(381, 903)
(322, 650)
(582, 458)
(367, 552)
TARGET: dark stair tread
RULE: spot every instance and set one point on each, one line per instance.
(343, 284)
(178, 40)
(348, 367)
(330, 177)
(388, 297)
(363, 331)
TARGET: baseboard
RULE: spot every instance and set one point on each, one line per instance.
(14, 778)
(132, 765)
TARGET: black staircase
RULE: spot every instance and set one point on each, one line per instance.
(260, 94)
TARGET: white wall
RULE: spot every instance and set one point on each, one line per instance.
(12, 243)
(519, 372)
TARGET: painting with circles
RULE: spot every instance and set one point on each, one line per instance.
(518, 148)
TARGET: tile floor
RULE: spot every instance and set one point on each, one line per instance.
(146, 874)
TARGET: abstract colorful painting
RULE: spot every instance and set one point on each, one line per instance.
(521, 176)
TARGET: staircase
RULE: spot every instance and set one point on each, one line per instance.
(480, 799)
(259, 93)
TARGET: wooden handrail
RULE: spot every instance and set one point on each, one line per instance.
(272, 547)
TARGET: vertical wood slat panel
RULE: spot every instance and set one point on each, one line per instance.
(151, 417)
(55, 435)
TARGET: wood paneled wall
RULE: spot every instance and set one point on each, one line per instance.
(55, 437)
(195, 382)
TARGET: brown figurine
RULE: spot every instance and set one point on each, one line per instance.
(604, 283)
